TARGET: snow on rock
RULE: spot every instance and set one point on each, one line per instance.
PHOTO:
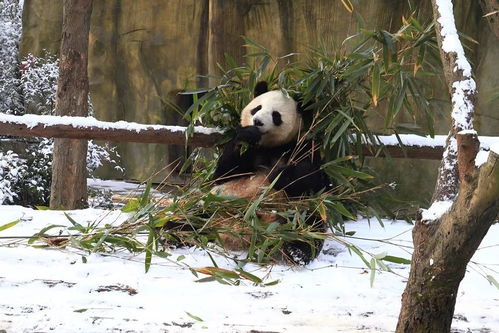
(54, 290)
(436, 210)
(31, 120)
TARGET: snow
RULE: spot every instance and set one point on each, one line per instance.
(436, 210)
(31, 120)
(462, 106)
(495, 147)
(481, 158)
(53, 290)
(449, 155)
(116, 185)
(413, 140)
(468, 131)
(122, 187)
(450, 37)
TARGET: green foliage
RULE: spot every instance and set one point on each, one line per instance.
(373, 71)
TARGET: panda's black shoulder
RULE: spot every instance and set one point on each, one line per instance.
(282, 150)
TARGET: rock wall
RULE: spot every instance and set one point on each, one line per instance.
(142, 52)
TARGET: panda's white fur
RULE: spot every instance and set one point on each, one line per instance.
(273, 101)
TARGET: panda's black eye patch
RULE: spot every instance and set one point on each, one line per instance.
(255, 110)
(276, 118)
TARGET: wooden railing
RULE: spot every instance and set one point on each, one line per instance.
(89, 128)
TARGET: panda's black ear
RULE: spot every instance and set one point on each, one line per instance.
(261, 88)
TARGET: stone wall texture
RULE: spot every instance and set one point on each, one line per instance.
(142, 52)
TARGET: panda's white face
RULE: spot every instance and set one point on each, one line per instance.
(276, 117)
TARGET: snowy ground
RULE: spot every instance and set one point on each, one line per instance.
(54, 291)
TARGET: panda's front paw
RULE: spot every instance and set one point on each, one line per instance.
(249, 134)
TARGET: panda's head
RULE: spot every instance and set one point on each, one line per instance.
(275, 114)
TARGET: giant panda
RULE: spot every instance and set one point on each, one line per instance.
(268, 147)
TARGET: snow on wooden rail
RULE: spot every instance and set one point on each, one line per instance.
(89, 128)
(422, 147)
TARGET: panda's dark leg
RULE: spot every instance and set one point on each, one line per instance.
(301, 252)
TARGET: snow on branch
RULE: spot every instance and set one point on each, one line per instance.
(462, 89)
(463, 85)
(450, 37)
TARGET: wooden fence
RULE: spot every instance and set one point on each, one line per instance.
(88, 128)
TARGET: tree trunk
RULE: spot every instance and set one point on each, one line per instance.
(442, 250)
(69, 175)
(443, 246)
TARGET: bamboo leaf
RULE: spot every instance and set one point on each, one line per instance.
(493, 281)
(145, 196)
(149, 248)
(397, 260)
(9, 225)
(42, 232)
(348, 5)
(249, 276)
(273, 283)
(380, 256)
(361, 256)
(373, 271)
(340, 208)
(218, 272)
(131, 206)
(75, 224)
(375, 83)
(193, 316)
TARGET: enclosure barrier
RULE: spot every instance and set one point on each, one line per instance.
(89, 128)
